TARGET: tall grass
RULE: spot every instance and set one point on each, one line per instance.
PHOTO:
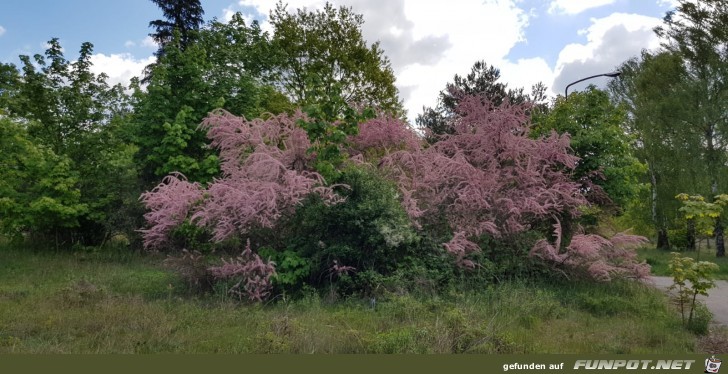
(93, 302)
(660, 259)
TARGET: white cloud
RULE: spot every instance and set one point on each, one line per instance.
(576, 6)
(129, 44)
(668, 3)
(2, 31)
(429, 43)
(475, 31)
(149, 42)
(264, 6)
(526, 72)
(227, 14)
(609, 42)
(119, 67)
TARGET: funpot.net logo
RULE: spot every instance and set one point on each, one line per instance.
(636, 365)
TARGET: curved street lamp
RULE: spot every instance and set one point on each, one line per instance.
(610, 75)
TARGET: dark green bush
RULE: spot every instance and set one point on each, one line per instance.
(678, 238)
(368, 237)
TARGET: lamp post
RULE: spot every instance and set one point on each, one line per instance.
(610, 75)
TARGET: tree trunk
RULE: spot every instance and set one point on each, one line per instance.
(719, 245)
(662, 240)
(690, 235)
(653, 183)
(718, 231)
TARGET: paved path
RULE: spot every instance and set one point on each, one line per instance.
(717, 300)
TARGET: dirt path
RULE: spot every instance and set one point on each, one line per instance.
(717, 300)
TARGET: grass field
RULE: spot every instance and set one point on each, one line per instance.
(659, 260)
(127, 303)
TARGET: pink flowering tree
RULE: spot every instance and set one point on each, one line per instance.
(382, 136)
(594, 257)
(266, 173)
(487, 177)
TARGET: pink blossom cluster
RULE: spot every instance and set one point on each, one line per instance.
(488, 176)
(267, 171)
(169, 204)
(252, 273)
(384, 134)
(594, 257)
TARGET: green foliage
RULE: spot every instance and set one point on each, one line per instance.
(192, 237)
(39, 189)
(241, 70)
(678, 238)
(174, 142)
(328, 45)
(636, 216)
(227, 66)
(654, 90)
(596, 137)
(702, 213)
(167, 115)
(677, 102)
(73, 119)
(330, 124)
(369, 231)
(702, 318)
(690, 279)
(182, 16)
(292, 270)
(507, 259)
(659, 261)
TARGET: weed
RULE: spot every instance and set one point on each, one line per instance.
(82, 293)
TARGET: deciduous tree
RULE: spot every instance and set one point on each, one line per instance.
(267, 172)
(228, 66)
(67, 110)
(324, 48)
(488, 176)
(655, 90)
(607, 170)
(39, 191)
(696, 31)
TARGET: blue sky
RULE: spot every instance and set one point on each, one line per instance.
(552, 41)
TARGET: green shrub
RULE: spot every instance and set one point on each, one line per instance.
(396, 341)
(191, 237)
(701, 320)
(367, 234)
(678, 238)
(292, 270)
(506, 259)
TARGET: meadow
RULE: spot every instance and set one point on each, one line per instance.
(659, 260)
(125, 302)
